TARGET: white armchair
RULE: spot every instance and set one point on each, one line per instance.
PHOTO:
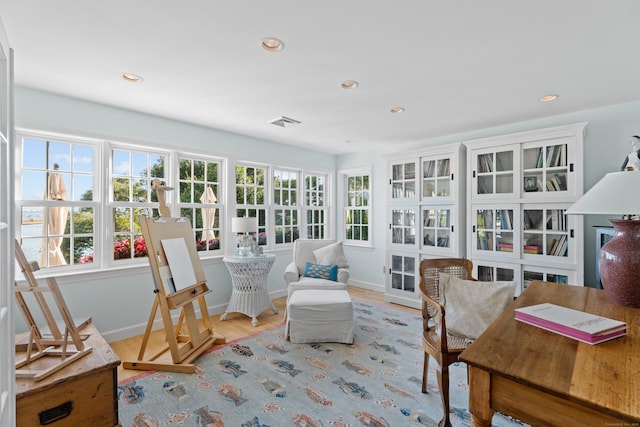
(325, 252)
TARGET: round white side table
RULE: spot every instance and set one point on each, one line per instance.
(249, 276)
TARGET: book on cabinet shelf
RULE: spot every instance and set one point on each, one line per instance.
(556, 220)
(557, 156)
(443, 169)
(559, 246)
(505, 247)
(485, 163)
(579, 325)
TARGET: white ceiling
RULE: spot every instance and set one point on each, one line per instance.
(455, 66)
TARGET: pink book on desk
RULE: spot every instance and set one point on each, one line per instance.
(576, 324)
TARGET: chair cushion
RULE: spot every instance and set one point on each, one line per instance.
(331, 255)
(472, 306)
(321, 271)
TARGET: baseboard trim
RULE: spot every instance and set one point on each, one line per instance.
(138, 329)
(367, 285)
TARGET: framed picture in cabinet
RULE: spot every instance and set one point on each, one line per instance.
(530, 183)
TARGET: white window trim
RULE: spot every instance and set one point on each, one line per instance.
(220, 202)
(328, 217)
(297, 207)
(343, 176)
(104, 265)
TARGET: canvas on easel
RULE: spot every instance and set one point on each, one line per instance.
(180, 283)
(65, 347)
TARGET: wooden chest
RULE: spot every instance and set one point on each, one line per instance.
(83, 393)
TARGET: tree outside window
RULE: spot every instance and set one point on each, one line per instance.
(315, 206)
(357, 207)
(199, 187)
(131, 176)
(57, 207)
(286, 209)
(250, 197)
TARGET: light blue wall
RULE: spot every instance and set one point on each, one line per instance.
(121, 301)
(605, 148)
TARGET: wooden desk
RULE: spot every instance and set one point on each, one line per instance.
(546, 379)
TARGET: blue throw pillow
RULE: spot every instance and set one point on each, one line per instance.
(320, 271)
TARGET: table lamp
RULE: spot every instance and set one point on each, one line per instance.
(619, 259)
(244, 225)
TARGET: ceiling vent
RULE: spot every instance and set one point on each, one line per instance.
(284, 122)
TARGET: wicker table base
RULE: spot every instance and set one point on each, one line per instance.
(249, 276)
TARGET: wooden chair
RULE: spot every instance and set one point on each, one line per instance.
(444, 348)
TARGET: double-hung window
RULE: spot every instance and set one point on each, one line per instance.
(286, 211)
(132, 174)
(251, 200)
(315, 205)
(357, 206)
(79, 199)
(57, 201)
(200, 196)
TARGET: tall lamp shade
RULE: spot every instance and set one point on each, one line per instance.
(619, 259)
(244, 225)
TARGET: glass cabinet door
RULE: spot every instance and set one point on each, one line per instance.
(493, 230)
(545, 232)
(403, 273)
(436, 227)
(403, 226)
(546, 168)
(494, 172)
(491, 273)
(436, 178)
(488, 271)
(403, 180)
(531, 273)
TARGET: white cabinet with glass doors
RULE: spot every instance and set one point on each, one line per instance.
(520, 186)
(425, 208)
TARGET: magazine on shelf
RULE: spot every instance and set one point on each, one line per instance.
(586, 327)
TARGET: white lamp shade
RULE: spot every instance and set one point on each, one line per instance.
(615, 194)
(244, 225)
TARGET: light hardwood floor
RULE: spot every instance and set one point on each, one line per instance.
(235, 327)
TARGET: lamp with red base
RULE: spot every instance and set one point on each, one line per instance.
(619, 259)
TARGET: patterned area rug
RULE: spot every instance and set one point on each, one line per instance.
(264, 380)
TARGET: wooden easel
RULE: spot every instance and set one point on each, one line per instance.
(184, 347)
(68, 346)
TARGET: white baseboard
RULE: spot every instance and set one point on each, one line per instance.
(367, 285)
(138, 329)
(135, 330)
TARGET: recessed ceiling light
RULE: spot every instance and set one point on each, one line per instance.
(396, 110)
(133, 78)
(349, 84)
(272, 44)
(548, 98)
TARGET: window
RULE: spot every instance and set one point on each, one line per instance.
(250, 196)
(357, 205)
(315, 206)
(285, 202)
(199, 187)
(132, 174)
(58, 205)
(79, 199)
